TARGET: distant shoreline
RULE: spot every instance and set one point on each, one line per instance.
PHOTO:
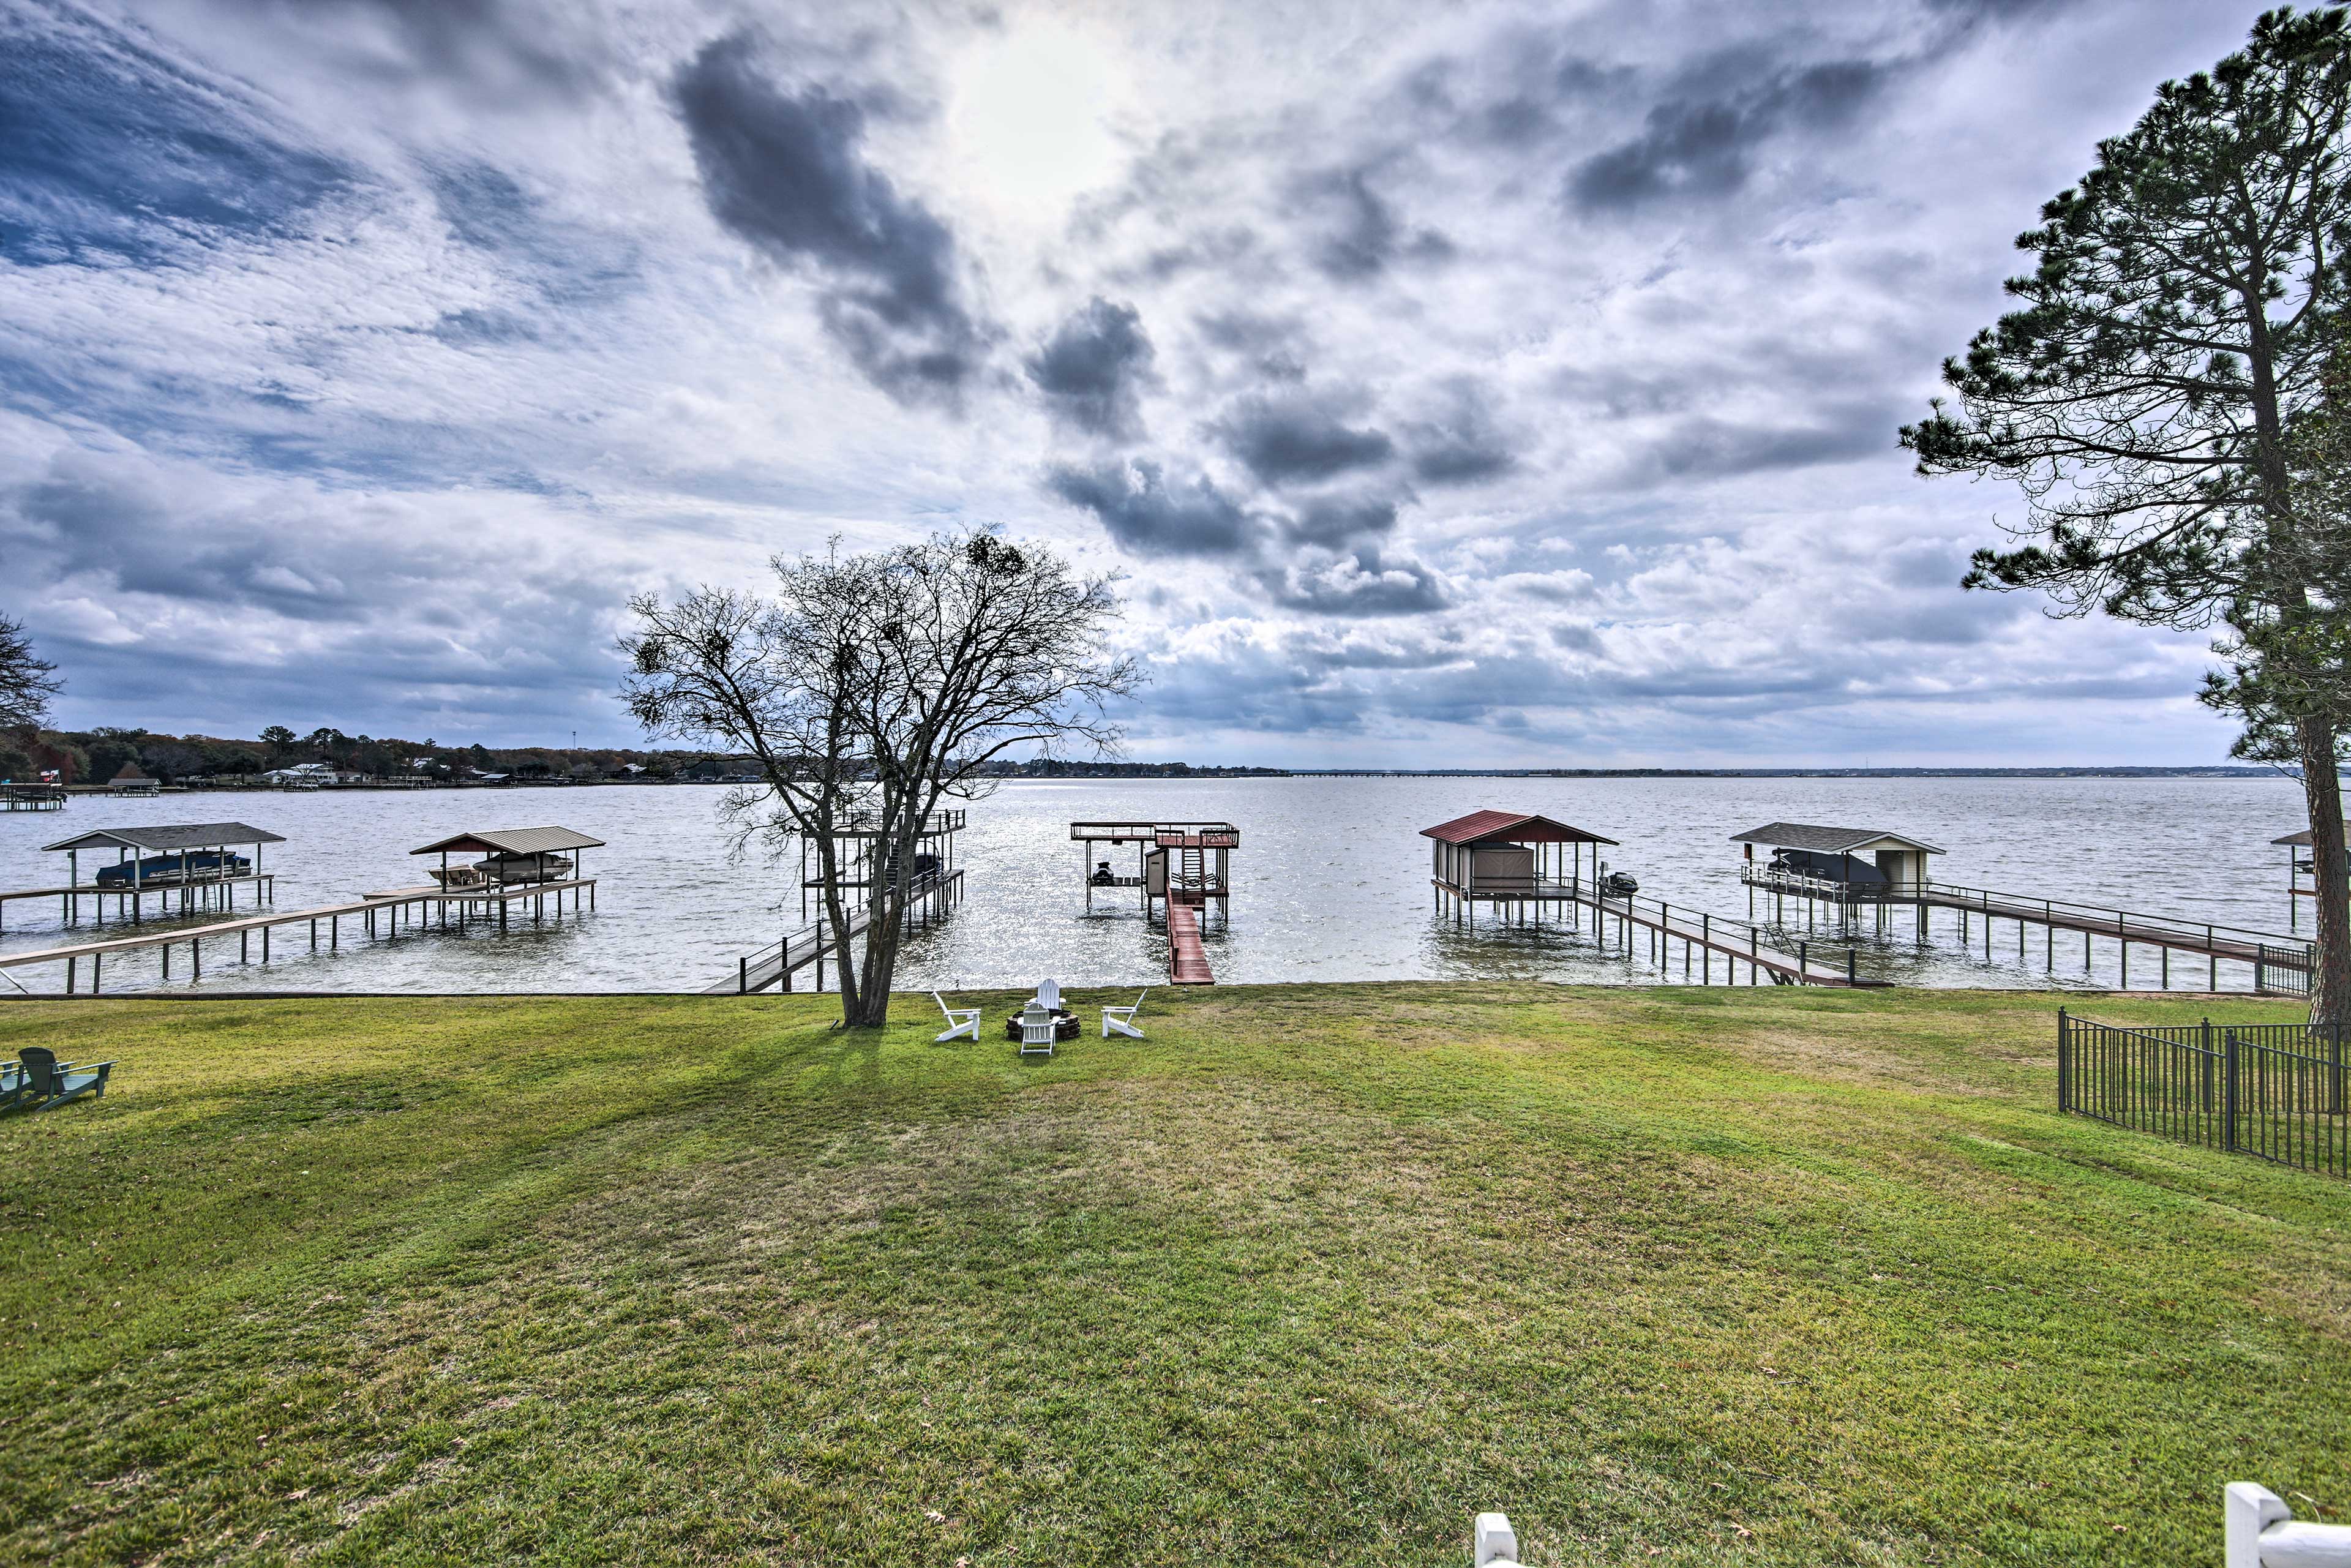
(1142, 776)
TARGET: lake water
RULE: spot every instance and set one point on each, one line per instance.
(1331, 882)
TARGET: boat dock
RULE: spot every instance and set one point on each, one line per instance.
(1187, 960)
(1846, 871)
(1521, 865)
(133, 899)
(1182, 873)
(774, 964)
(376, 913)
(32, 796)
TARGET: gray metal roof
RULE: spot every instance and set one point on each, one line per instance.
(510, 842)
(2301, 841)
(1825, 841)
(172, 836)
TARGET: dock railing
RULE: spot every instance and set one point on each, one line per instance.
(2271, 947)
(1735, 939)
(2272, 1091)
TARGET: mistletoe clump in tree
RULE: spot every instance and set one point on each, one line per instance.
(2179, 321)
(870, 689)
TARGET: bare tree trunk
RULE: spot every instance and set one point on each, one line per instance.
(885, 930)
(2322, 788)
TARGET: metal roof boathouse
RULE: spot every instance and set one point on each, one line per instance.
(531, 866)
(1512, 860)
(1837, 873)
(195, 863)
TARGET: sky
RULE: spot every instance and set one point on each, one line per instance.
(1452, 384)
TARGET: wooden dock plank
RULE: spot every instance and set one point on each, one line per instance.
(1187, 961)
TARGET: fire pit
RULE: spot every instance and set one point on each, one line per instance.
(1065, 1025)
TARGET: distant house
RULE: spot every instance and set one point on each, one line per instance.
(633, 768)
(311, 775)
(131, 780)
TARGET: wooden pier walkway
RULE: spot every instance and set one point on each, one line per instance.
(2278, 962)
(1702, 935)
(774, 964)
(264, 886)
(378, 914)
(1187, 960)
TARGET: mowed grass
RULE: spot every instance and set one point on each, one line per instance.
(1722, 1276)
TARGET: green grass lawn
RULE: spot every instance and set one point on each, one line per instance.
(1672, 1276)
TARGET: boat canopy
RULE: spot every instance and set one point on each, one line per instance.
(172, 836)
(510, 842)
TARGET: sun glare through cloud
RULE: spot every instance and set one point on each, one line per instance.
(1029, 118)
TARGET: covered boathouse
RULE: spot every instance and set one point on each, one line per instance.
(2299, 863)
(1514, 860)
(1838, 865)
(195, 863)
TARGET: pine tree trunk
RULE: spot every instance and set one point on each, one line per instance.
(2322, 788)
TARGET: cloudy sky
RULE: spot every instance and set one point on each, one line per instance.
(1453, 383)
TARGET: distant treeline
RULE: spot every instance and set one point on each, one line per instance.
(97, 756)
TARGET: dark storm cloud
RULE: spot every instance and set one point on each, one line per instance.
(1361, 236)
(111, 149)
(1133, 500)
(783, 171)
(1336, 520)
(1358, 583)
(1094, 368)
(1702, 139)
(1704, 446)
(1298, 437)
(1461, 442)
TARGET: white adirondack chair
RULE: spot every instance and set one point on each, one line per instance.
(1121, 1021)
(1048, 995)
(960, 1021)
(1037, 1024)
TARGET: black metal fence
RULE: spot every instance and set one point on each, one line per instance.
(2272, 1091)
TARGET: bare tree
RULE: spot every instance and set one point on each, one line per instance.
(27, 680)
(874, 687)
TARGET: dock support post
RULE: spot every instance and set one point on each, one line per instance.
(97, 969)
(244, 947)
(70, 976)
(2125, 985)
(195, 958)
(264, 944)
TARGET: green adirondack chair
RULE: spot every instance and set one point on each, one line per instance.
(13, 1084)
(50, 1084)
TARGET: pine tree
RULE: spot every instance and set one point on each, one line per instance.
(2180, 319)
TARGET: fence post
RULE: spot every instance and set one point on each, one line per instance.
(2228, 1089)
(2207, 1042)
(743, 976)
(2335, 1072)
(2064, 1062)
(1851, 978)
